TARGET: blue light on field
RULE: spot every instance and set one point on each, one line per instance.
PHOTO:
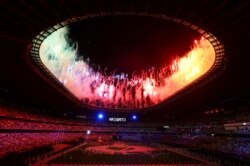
(134, 117)
(100, 116)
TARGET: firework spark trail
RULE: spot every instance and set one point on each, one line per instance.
(99, 89)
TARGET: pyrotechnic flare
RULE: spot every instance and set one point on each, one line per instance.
(140, 90)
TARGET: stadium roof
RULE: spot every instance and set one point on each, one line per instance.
(21, 21)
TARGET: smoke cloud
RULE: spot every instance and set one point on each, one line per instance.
(119, 90)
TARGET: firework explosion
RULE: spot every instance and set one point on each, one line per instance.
(122, 91)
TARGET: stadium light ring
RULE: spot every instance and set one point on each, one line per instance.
(42, 70)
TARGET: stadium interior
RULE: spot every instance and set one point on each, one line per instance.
(124, 82)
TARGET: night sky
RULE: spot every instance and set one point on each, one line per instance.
(131, 43)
